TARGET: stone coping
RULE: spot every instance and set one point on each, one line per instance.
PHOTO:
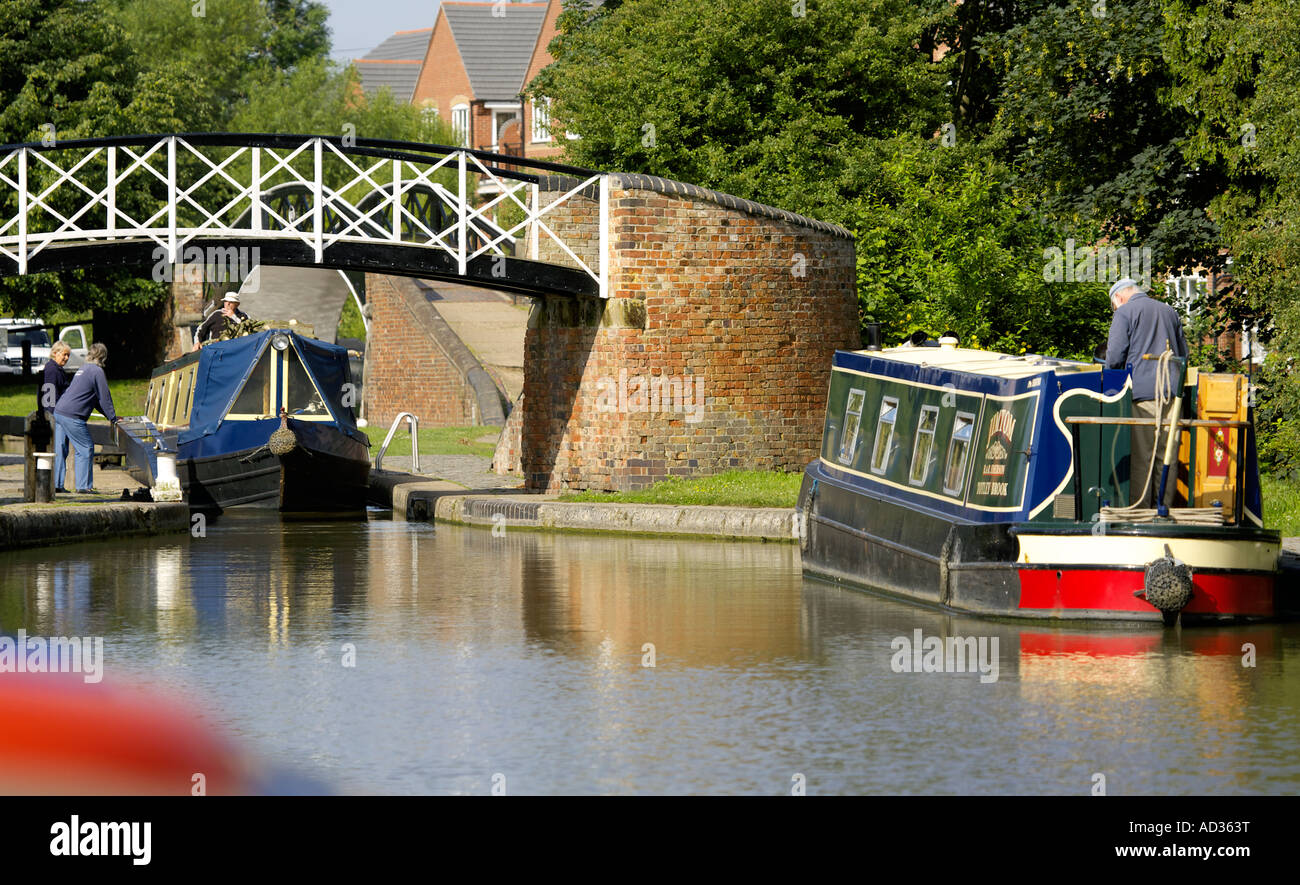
(39, 525)
(636, 181)
(422, 498)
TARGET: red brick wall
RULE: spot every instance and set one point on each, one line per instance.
(443, 76)
(703, 292)
(405, 370)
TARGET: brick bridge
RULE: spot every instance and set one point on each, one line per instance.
(711, 352)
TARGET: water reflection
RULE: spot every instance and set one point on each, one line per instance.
(524, 655)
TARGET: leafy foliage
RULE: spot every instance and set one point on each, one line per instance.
(944, 241)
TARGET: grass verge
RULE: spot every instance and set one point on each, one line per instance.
(735, 488)
(1281, 505)
(436, 441)
(128, 396)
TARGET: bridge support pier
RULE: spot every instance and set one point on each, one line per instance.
(712, 354)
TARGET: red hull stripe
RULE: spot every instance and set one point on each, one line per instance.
(1112, 590)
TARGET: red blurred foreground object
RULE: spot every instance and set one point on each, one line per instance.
(60, 735)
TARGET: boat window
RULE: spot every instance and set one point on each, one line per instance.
(254, 400)
(189, 400)
(181, 413)
(302, 398)
(954, 475)
(169, 400)
(884, 434)
(852, 424)
(151, 403)
(923, 448)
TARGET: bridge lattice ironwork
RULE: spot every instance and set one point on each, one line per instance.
(318, 198)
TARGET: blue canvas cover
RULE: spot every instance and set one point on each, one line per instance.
(328, 366)
(223, 368)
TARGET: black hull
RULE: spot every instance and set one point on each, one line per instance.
(850, 536)
(305, 480)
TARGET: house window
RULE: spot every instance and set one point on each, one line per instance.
(460, 124)
(542, 120)
(923, 448)
(954, 475)
(852, 423)
(884, 434)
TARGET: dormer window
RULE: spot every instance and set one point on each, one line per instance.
(852, 424)
(884, 434)
(923, 448)
(954, 475)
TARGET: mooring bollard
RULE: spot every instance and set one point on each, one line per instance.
(166, 486)
(37, 437)
(44, 477)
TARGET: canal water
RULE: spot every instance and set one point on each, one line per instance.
(387, 657)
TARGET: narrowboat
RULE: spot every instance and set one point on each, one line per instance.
(1002, 485)
(264, 419)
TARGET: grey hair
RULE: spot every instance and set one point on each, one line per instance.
(60, 347)
(97, 354)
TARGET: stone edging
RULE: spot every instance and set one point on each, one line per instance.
(636, 181)
(423, 498)
(37, 525)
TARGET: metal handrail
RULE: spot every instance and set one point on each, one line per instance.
(413, 423)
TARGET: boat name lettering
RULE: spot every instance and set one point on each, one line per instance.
(1001, 429)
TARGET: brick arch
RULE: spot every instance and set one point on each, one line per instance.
(712, 352)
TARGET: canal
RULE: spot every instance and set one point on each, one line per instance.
(387, 657)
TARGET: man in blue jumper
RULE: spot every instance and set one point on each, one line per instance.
(87, 392)
(53, 384)
(1142, 326)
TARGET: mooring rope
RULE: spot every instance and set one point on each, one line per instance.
(1136, 512)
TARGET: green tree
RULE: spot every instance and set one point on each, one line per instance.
(946, 241)
(746, 96)
(67, 70)
(1080, 117)
(1236, 71)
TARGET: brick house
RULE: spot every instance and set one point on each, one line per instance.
(470, 69)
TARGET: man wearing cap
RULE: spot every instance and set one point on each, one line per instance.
(212, 327)
(1143, 325)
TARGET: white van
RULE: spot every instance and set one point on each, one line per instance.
(14, 331)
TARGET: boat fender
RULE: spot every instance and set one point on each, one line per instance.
(1167, 585)
(283, 441)
(803, 516)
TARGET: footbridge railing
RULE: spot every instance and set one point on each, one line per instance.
(320, 197)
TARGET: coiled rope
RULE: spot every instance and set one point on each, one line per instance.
(1136, 512)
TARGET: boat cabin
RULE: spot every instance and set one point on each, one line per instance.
(248, 380)
(979, 436)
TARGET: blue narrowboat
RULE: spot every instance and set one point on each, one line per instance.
(1002, 485)
(264, 419)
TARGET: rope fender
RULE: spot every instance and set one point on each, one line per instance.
(283, 440)
(1167, 585)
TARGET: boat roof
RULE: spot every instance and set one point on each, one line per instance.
(224, 366)
(989, 363)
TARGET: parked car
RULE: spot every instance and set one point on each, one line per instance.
(15, 330)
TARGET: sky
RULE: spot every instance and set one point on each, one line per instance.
(358, 26)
